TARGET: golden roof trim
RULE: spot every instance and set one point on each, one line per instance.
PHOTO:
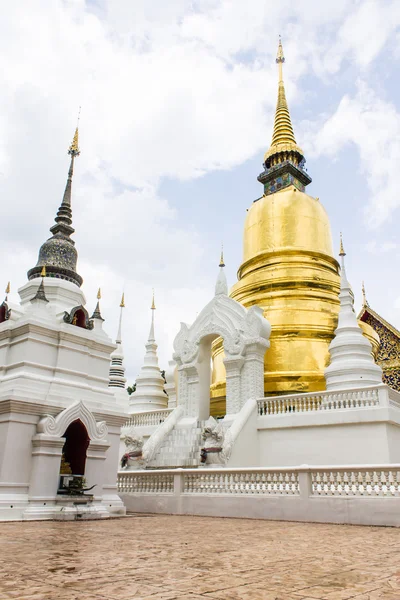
(377, 316)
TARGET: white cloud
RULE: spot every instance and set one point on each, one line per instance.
(373, 126)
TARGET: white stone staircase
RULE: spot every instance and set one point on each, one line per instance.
(180, 448)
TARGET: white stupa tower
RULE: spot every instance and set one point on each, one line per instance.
(149, 394)
(352, 363)
(117, 369)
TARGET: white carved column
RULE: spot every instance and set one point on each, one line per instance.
(253, 372)
(192, 378)
(233, 368)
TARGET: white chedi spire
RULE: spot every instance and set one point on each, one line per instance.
(117, 378)
(352, 363)
(149, 393)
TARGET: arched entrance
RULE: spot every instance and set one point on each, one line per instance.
(245, 335)
(75, 446)
(204, 375)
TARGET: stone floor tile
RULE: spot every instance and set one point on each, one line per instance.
(162, 557)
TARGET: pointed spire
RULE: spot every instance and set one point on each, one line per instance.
(117, 370)
(352, 363)
(284, 156)
(151, 333)
(221, 286)
(341, 250)
(61, 244)
(97, 314)
(221, 260)
(283, 139)
(119, 334)
(149, 392)
(364, 297)
(40, 293)
(7, 291)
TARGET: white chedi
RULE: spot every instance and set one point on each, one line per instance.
(117, 379)
(149, 393)
(352, 363)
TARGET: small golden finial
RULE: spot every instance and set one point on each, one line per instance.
(122, 305)
(99, 294)
(43, 272)
(341, 252)
(279, 56)
(74, 147)
(153, 306)
(221, 260)
(8, 288)
(364, 297)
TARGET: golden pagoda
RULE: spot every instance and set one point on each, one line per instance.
(288, 269)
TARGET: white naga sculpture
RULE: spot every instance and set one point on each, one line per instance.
(133, 455)
(213, 436)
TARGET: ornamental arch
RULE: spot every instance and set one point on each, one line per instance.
(245, 334)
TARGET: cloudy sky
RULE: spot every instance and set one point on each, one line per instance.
(177, 106)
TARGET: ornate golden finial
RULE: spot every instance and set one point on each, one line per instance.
(341, 251)
(99, 294)
(8, 288)
(153, 306)
(221, 260)
(122, 305)
(43, 272)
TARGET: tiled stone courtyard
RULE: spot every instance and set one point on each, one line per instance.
(166, 557)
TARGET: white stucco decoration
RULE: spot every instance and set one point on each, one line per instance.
(245, 334)
(56, 426)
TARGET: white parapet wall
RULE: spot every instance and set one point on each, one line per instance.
(352, 494)
(360, 426)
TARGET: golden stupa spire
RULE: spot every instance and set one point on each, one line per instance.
(153, 306)
(99, 294)
(283, 139)
(221, 260)
(43, 272)
(122, 305)
(8, 288)
(341, 251)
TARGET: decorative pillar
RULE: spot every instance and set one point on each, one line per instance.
(94, 468)
(45, 470)
(192, 382)
(233, 368)
(253, 371)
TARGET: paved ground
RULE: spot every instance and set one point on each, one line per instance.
(166, 557)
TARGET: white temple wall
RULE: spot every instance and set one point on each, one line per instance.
(357, 443)
(16, 432)
(393, 437)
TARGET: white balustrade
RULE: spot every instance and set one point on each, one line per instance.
(354, 494)
(244, 483)
(356, 483)
(319, 401)
(145, 483)
(152, 417)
